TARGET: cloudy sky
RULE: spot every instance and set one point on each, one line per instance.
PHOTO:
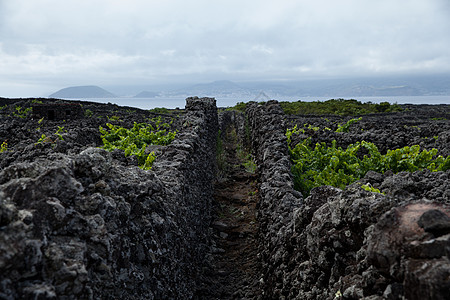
(46, 45)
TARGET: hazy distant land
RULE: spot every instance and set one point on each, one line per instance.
(437, 85)
(87, 91)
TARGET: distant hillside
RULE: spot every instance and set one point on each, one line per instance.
(146, 94)
(355, 87)
(213, 89)
(363, 90)
(88, 91)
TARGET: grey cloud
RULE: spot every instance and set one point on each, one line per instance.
(116, 40)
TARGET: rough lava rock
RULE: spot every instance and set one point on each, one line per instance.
(278, 199)
(354, 244)
(88, 225)
(77, 222)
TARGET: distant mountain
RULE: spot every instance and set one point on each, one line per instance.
(146, 94)
(362, 90)
(213, 89)
(355, 87)
(88, 91)
(426, 85)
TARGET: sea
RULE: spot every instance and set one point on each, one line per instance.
(174, 102)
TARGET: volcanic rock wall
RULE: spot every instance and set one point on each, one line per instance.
(278, 199)
(239, 121)
(57, 111)
(89, 226)
(348, 244)
(78, 222)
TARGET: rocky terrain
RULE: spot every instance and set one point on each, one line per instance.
(354, 244)
(233, 270)
(78, 222)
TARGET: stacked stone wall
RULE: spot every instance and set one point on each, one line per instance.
(351, 243)
(278, 199)
(91, 226)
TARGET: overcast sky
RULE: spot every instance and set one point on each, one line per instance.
(46, 45)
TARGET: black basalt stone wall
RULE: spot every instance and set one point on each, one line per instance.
(351, 243)
(278, 199)
(238, 121)
(57, 111)
(88, 226)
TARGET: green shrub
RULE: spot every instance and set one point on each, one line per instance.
(346, 126)
(319, 165)
(114, 118)
(368, 187)
(4, 147)
(58, 132)
(52, 139)
(240, 106)
(159, 110)
(337, 107)
(88, 113)
(44, 139)
(246, 158)
(22, 113)
(135, 140)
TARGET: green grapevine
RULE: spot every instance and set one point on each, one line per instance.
(331, 165)
(135, 140)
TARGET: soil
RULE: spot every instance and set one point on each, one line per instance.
(233, 272)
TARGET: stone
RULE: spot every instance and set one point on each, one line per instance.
(79, 222)
(435, 221)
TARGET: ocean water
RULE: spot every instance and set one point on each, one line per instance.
(174, 102)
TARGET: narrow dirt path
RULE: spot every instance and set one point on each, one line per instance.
(234, 271)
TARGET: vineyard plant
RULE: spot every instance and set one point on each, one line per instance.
(134, 141)
(322, 164)
(342, 107)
